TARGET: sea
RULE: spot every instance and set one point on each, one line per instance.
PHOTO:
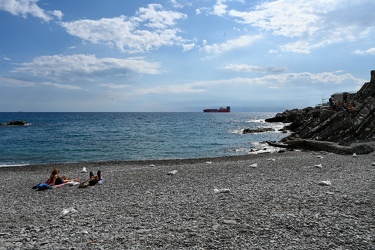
(74, 137)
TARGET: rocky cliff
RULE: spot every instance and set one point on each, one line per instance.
(337, 131)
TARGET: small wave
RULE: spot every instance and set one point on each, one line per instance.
(263, 147)
(13, 165)
(236, 131)
(256, 121)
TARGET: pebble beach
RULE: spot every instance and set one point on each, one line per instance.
(290, 200)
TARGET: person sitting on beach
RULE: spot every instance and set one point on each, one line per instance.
(55, 179)
(339, 106)
(94, 179)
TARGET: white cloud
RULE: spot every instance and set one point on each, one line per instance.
(155, 17)
(128, 34)
(276, 81)
(81, 66)
(28, 7)
(13, 82)
(180, 4)
(58, 14)
(169, 89)
(239, 42)
(114, 86)
(220, 8)
(7, 81)
(364, 52)
(302, 47)
(60, 86)
(337, 77)
(252, 68)
(187, 47)
(285, 17)
(311, 23)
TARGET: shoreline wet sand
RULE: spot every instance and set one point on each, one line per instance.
(275, 201)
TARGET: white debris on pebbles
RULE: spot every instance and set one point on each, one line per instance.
(276, 206)
(325, 183)
(173, 172)
(221, 190)
(318, 165)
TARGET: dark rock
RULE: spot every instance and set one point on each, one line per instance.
(14, 123)
(257, 130)
(335, 131)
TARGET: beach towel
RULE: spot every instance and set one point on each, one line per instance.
(60, 185)
(42, 187)
(73, 183)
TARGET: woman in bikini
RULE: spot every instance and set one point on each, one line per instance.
(55, 179)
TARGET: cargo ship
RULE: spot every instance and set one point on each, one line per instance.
(222, 109)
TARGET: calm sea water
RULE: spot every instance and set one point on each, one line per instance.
(89, 137)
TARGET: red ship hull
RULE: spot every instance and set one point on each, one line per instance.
(221, 110)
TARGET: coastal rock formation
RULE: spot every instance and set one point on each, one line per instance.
(14, 123)
(336, 131)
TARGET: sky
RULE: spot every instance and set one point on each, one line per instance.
(180, 55)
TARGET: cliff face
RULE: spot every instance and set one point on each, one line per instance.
(341, 127)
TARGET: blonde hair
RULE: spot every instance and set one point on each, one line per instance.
(54, 172)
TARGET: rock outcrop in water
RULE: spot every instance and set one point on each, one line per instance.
(335, 131)
(257, 130)
(14, 123)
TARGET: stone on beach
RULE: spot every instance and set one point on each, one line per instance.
(221, 190)
(255, 165)
(173, 172)
(318, 165)
(69, 210)
(325, 183)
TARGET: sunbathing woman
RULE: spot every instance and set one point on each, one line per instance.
(94, 179)
(55, 179)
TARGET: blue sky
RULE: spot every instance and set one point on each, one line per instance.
(167, 56)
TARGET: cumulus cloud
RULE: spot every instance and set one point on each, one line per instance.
(149, 29)
(312, 24)
(220, 8)
(364, 52)
(229, 45)
(28, 7)
(180, 3)
(187, 47)
(72, 67)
